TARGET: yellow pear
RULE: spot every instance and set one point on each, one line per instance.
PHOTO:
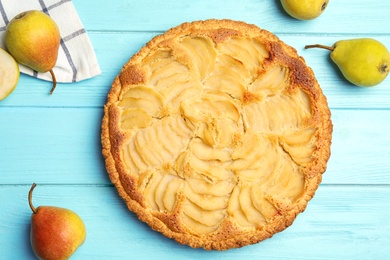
(364, 62)
(304, 9)
(56, 233)
(33, 39)
(9, 74)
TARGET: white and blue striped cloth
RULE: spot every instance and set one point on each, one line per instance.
(76, 57)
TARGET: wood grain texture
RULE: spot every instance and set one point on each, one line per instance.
(62, 146)
(113, 55)
(341, 17)
(54, 140)
(342, 226)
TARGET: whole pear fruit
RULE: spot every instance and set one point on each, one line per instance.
(9, 74)
(304, 9)
(364, 62)
(56, 233)
(33, 39)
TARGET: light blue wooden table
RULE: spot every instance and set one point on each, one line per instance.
(55, 140)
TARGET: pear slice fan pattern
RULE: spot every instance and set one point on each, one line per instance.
(216, 134)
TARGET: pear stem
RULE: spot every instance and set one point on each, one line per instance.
(54, 81)
(319, 46)
(34, 210)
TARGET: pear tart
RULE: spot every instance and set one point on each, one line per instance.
(216, 134)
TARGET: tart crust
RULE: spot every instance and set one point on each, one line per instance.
(216, 134)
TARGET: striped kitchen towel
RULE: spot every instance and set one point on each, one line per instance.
(76, 57)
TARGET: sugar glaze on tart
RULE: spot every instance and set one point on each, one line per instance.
(216, 134)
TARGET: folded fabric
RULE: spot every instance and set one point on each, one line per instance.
(76, 57)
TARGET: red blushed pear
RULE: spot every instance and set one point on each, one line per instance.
(33, 39)
(56, 233)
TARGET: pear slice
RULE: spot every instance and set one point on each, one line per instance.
(9, 74)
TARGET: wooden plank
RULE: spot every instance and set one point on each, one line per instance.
(154, 15)
(62, 146)
(114, 49)
(341, 222)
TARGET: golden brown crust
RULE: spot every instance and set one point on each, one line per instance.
(302, 145)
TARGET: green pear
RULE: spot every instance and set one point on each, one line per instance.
(9, 74)
(56, 233)
(33, 39)
(304, 9)
(364, 62)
